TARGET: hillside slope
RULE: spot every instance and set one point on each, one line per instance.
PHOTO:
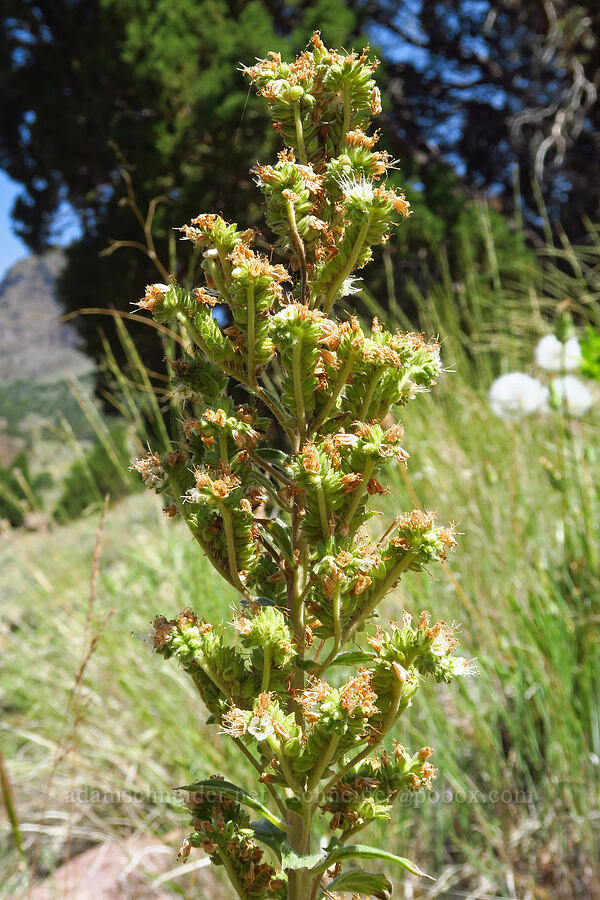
(34, 344)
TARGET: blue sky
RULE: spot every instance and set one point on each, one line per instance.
(11, 248)
(66, 226)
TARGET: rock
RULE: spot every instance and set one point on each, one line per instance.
(120, 870)
(34, 343)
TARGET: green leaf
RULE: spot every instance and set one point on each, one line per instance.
(291, 860)
(282, 535)
(272, 456)
(363, 852)
(305, 664)
(269, 835)
(264, 601)
(293, 804)
(213, 787)
(364, 882)
(352, 658)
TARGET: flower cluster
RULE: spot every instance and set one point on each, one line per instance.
(289, 419)
(517, 395)
(223, 830)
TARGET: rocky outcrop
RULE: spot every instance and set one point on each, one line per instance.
(34, 344)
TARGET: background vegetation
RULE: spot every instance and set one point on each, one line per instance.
(485, 261)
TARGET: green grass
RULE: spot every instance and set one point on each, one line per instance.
(526, 728)
(515, 810)
(141, 731)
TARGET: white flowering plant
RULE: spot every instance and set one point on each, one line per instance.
(303, 680)
(558, 355)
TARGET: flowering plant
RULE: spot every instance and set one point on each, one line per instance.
(517, 395)
(287, 680)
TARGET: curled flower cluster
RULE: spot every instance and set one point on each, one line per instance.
(289, 418)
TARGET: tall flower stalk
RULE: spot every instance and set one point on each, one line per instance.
(277, 487)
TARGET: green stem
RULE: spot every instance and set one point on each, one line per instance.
(223, 447)
(346, 122)
(358, 493)
(347, 269)
(225, 264)
(299, 133)
(194, 334)
(299, 245)
(298, 396)
(266, 674)
(231, 552)
(275, 473)
(323, 511)
(349, 765)
(233, 875)
(321, 766)
(217, 277)
(390, 718)
(279, 803)
(307, 814)
(337, 389)
(337, 631)
(275, 409)
(215, 678)
(362, 614)
(284, 766)
(197, 338)
(213, 561)
(369, 396)
(251, 335)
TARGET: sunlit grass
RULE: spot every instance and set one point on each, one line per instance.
(515, 809)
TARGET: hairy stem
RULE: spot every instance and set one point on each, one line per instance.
(266, 674)
(299, 133)
(233, 876)
(338, 387)
(321, 766)
(346, 270)
(251, 335)
(298, 395)
(387, 723)
(323, 511)
(223, 447)
(359, 492)
(231, 551)
(362, 614)
(364, 410)
(346, 122)
(276, 410)
(221, 569)
(217, 277)
(279, 803)
(299, 245)
(197, 338)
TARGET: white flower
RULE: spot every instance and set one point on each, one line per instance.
(287, 313)
(351, 286)
(516, 395)
(554, 356)
(360, 190)
(459, 665)
(261, 728)
(193, 496)
(573, 393)
(183, 392)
